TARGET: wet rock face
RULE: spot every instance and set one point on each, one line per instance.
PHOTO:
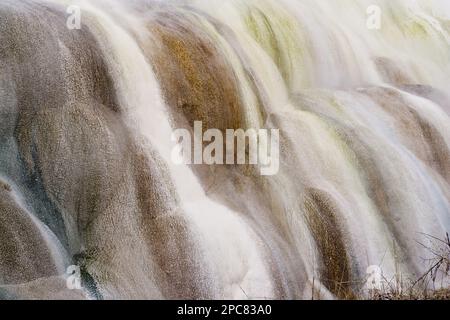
(335, 267)
(416, 132)
(64, 101)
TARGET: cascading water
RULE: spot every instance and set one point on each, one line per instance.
(86, 122)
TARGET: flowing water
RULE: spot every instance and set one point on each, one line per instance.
(86, 117)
